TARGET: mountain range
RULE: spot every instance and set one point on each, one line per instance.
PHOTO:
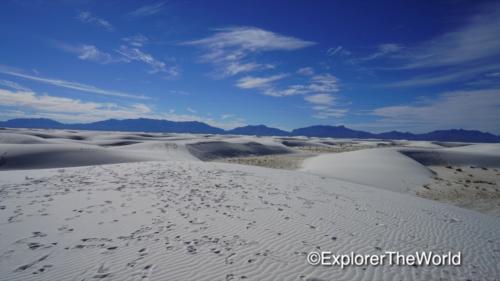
(195, 127)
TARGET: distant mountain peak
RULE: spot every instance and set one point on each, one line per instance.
(196, 127)
(258, 130)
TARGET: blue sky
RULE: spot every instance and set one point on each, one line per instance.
(373, 65)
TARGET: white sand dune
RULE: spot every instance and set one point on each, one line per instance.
(475, 155)
(68, 149)
(383, 168)
(212, 221)
(418, 144)
(14, 138)
(180, 218)
(490, 148)
(166, 150)
(42, 156)
(220, 149)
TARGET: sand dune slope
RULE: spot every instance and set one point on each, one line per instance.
(483, 148)
(221, 149)
(487, 155)
(213, 221)
(42, 156)
(383, 168)
(40, 149)
(15, 138)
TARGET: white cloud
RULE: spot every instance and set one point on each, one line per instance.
(126, 54)
(30, 104)
(477, 39)
(137, 40)
(382, 51)
(252, 39)
(318, 91)
(461, 75)
(72, 107)
(324, 83)
(339, 51)
(327, 112)
(70, 85)
(250, 82)
(291, 90)
(148, 10)
(320, 83)
(135, 54)
(229, 48)
(191, 110)
(461, 56)
(87, 52)
(307, 71)
(13, 85)
(234, 68)
(320, 99)
(226, 116)
(323, 106)
(142, 108)
(475, 109)
(87, 17)
(90, 52)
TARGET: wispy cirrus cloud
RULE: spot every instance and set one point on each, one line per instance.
(148, 10)
(13, 85)
(338, 51)
(70, 85)
(319, 83)
(251, 82)
(238, 67)
(87, 52)
(326, 112)
(462, 75)
(123, 54)
(477, 39)
(462, 55)
(472, 109)
(137, 40)
(229, 48)
(135, 54)
(87, 17)
(382, 51)
(250, 39)
(156, 66)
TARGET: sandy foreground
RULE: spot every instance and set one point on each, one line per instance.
(119, 206)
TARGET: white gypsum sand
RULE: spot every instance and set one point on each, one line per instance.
(384, 168)
(157, 212)
(476, 188)
(212, 221)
